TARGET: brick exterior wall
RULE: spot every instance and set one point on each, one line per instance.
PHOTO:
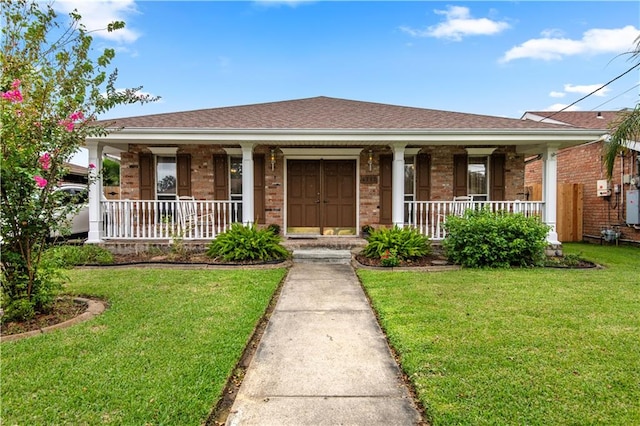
(202, 177)
(583, 164)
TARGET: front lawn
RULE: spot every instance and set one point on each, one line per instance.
(519, 346)
(160, 354)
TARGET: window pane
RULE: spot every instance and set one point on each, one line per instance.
(235, 176)
(409, 177)
(166, 176)
(477, 170)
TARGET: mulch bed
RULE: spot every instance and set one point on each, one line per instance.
(63, 309)
(436, 258)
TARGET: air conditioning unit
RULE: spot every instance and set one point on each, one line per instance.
(604, 190)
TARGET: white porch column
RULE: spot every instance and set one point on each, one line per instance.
(397, 186)
(247, 183)
(95, 192)
(550, 191)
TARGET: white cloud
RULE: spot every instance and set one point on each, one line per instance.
(557, 94)
(594, 41)
(96, 15)
(458, 24)
(558, 107)
(552, 33)
(586, 89)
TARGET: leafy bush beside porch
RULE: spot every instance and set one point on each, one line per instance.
(482, 238)
(246, 243)
(393, 245)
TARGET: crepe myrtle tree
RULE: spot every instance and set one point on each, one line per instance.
(52, 88)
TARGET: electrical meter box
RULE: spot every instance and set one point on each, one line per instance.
(603, 188)
(633, 207)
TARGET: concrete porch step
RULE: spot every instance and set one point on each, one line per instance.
(317, 242)
(321, 255)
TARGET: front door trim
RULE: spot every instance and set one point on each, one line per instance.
(321, 153)
(336, 153)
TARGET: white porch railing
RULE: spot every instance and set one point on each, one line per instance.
(429, 216)
(151, 219)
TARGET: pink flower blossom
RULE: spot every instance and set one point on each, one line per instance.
(92, 166)
(40, 181)
(12, 96)
(67, 124)
(16, 83)
(75, 116)
(45, 161)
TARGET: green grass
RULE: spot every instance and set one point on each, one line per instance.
(161, 353)
(521, 346)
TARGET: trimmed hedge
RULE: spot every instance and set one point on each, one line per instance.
(482, 238)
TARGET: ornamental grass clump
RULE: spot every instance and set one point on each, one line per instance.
(394, 245)
(247, 243)
(482, 238)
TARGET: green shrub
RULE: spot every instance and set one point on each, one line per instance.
(68, 256)
(393, 245)
(274, 228)
(482, 238)
(241, 243)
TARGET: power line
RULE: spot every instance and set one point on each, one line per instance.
(615, 97)
(589, 94)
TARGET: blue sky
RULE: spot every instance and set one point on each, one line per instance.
(498, 58)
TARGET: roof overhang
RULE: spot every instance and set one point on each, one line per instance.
(527, 141)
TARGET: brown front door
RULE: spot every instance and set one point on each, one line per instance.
(321, 197)
(303, 195)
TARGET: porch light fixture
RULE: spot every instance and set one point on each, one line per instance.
(370, 160)
(272, 158)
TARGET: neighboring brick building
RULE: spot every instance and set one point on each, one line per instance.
(583, 165)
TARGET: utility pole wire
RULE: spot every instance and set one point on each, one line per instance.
(616, 97)
(589, 94)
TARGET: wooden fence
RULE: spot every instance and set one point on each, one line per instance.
(569, 210)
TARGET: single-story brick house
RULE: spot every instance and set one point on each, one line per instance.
(605, 213)
(318, 166)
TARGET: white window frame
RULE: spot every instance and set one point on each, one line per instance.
(165, 196)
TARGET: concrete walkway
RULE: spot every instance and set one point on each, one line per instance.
(323, 359)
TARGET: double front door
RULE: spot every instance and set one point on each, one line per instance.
(321, 197)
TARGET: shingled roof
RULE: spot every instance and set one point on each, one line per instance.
(324, 113)
(600, 120)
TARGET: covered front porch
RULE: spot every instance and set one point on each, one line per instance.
(189, 218)
(203, 220)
